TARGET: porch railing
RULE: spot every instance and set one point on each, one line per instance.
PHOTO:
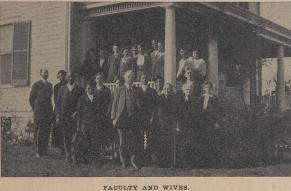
(112, 86)
(268, 100)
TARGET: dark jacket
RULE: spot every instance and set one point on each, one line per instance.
(148, 100)
(113, 66)
(40, 100)
(56, 91)
(67, 101)
(104, 68)
(104, 97)
(187, 118)
(122, 101)
(208, 117)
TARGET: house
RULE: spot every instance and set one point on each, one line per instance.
(231, 37)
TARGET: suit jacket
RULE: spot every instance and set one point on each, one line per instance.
(157, 65)
(187, 114)
(104, 68)
(208, 117)
(67, 101)
(123, 102)
(40, 100)
(56, 91)
(104, 97)
(113, 66)
(148, 100)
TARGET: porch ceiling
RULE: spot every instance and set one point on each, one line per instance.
(265, 29)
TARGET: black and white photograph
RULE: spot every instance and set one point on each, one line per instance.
(145, 89)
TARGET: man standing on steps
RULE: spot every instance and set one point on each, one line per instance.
(66, 109)
(40, 100)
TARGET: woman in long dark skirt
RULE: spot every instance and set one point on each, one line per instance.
(89, 136)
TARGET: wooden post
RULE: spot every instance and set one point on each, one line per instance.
(212, 68)
(170, 46)
(280, 88)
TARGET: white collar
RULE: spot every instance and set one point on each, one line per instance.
(144, 87)
(71, 87)
(127, 86)
(90, 97)
(99, 87)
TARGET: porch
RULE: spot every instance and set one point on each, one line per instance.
(231, 40)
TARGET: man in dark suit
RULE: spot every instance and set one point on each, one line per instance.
(40, 100)
(208, 124)
(103, 64)
(148, 99)
(187, 129)
(57, 134)
(113, 64)
(66, 109)
(124, 114)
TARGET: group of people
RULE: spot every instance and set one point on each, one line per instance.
(139, 60)
(150, 126)
(133, 58)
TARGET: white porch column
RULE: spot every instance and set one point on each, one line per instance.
(212, 67)
(170, 46)
(280, 88)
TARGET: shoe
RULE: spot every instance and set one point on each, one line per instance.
(133, 163)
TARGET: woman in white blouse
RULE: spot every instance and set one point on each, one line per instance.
(197, 64)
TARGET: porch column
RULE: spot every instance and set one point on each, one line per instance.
(212, 67)
(170, 46)
(280, 88)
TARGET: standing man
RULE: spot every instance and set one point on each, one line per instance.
(158, 61)
(208, 124)
(181, 65)
(113, 64)
(57, 134)
(40, 100)
(124, 114)
(186, 135)
(148, 100)
(66, 109)
(103, 64)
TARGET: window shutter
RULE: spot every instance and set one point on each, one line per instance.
(5, 68)
(21, 46)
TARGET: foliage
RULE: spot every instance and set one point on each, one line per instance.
(20, 138)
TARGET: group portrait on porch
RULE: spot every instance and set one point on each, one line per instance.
(144, 89)
(134, 125)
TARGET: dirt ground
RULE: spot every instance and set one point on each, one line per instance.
(20, 161)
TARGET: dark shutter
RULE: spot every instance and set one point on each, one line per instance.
(21, 46)
(5, 68)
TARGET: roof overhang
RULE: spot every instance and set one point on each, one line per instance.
(265, 28)
(101, 9)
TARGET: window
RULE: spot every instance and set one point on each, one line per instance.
(14, 53)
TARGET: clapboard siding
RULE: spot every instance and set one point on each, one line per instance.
(48, 48)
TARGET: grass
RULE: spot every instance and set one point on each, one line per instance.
(20, 161)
